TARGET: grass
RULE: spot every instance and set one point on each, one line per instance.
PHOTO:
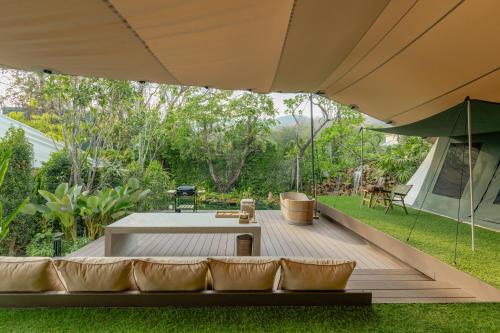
(432, 234)
(380, 318)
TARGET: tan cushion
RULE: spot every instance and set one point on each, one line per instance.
(96, 274)
(240, 273)
(171, 274)
(28, 274)
(315, 274)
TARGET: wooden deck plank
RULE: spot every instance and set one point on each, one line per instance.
(419, 293)
(340, 247)
(398, 285)
(389, 277)
(424, 300)
(150, 244)
(281, 241)
(221, 250)
(402, 271)
(293, 237)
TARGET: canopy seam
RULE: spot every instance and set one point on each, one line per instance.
(292, 11)
(444, 94)
(142, 41)
(375, 45)
(401, 50)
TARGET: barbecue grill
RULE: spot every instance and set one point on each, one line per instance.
(185, 191)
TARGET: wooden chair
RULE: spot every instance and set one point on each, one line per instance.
(398, 194)
(371, 192)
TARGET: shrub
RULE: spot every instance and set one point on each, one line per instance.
(42, 245)
(17, 185)
(55, 171)
(157, 180)
(154, 178)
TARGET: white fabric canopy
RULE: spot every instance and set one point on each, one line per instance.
(398, 61)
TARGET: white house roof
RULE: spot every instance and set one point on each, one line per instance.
(43, 146)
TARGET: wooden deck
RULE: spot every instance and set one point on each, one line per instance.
(389, 279)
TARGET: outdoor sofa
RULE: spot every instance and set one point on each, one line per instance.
(297, 208)
(179, 281)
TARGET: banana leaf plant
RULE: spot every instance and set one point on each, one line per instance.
(5, 221)
(103, 207)
(97, 210)
(62, 205)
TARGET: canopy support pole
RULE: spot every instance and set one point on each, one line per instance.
(312, 160)
(471, 182)
(360, 187)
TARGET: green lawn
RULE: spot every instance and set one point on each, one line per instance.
(433, 234)
(380, 318)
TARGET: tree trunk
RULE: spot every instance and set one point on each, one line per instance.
(215, 177)
(297, 173)
(231, 176)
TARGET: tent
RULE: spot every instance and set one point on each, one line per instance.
(441, 183)
(399, 61)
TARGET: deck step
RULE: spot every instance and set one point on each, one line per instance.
(399, 285)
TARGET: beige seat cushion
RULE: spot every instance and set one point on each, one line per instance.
(243, 273)
(28, 274)
(315, 274)
(171, 274)
(96, 274)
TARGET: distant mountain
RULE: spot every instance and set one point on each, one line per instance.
(287, 120)
(373, 122)
(284, 121)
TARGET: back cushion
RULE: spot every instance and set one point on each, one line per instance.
(315, 274)
(243, 273)
(171, 274)
(96, 274)
(29, 275)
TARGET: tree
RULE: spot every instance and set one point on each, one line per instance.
(17, 186)
(44, 122)
(148, 119)
(88, 109)
(330, 111)
(6, 220)
(222, 129)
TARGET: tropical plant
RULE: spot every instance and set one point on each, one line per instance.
(105, 206)
(5, 221)
(62, 205)
(97, 210)
(400, 161)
